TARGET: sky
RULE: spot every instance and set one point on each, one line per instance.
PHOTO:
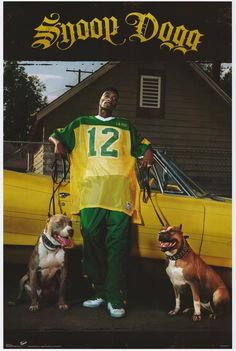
(55, 76)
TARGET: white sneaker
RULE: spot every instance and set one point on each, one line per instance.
(116, 312)
(93, 303)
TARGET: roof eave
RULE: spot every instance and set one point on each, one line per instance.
(77, 88)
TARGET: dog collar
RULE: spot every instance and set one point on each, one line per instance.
(181, 253)
(48, 244)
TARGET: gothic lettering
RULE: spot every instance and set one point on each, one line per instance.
(142, 24)
(144, 28)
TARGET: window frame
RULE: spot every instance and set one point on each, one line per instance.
(157, 97)
(156, 112)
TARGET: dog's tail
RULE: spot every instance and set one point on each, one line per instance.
(22, 283)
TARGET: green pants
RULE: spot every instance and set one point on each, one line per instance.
(105, 236)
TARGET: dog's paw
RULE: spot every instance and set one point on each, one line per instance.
(63, 307)
(173, 312)
(197, 317)
(34, 308)
(212, 316)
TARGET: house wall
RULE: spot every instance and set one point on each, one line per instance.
(194, 114)
(43, 160)
(195, 126)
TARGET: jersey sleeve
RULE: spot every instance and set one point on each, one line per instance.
(66, 135)
(139, 145)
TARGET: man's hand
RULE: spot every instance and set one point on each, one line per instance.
(59, 148)
(147, 160)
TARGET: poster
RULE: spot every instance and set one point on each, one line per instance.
(132, 39)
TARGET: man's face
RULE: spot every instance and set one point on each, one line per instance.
(108, 100)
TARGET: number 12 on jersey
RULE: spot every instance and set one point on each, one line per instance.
(106, 148)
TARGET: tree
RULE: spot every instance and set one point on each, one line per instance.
(226, 80)
(23, 98)
(221, 73)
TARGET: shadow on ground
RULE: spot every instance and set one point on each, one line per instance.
(147, 324)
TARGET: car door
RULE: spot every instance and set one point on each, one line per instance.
(174, 206)
(217, 244)
(26, 199)
(63, 197)
(27, 202)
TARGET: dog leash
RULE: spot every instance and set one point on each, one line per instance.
(145, 176)
(57, 183)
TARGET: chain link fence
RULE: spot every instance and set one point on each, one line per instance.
(210, 168)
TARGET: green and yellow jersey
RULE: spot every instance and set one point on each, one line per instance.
(102, 155)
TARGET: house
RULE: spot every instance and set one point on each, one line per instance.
(174, 104)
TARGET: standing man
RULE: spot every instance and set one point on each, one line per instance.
(104, 188)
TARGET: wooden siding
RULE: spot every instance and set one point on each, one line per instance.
(43, 160)
(193, 112)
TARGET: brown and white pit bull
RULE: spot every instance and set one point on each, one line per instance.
(185, 267)
(47, 268)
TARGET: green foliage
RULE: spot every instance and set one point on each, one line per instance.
(224, 75)
(23, 98)
(226, 80)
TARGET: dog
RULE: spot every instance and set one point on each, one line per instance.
(185, 267)
(47, 267)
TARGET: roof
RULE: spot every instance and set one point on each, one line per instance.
(77, 88)
(109, 66)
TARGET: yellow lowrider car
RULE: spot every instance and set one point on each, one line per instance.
(205, 218)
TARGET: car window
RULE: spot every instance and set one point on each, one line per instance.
(198, 191)
(152, 178)
(159, 179)
(167, 181)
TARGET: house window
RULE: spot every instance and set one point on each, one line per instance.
(150, 91)
(150, 102)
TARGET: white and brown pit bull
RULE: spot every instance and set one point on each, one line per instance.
(185, 267)
(47, 268)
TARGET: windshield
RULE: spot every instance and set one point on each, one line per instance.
(182, 178)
